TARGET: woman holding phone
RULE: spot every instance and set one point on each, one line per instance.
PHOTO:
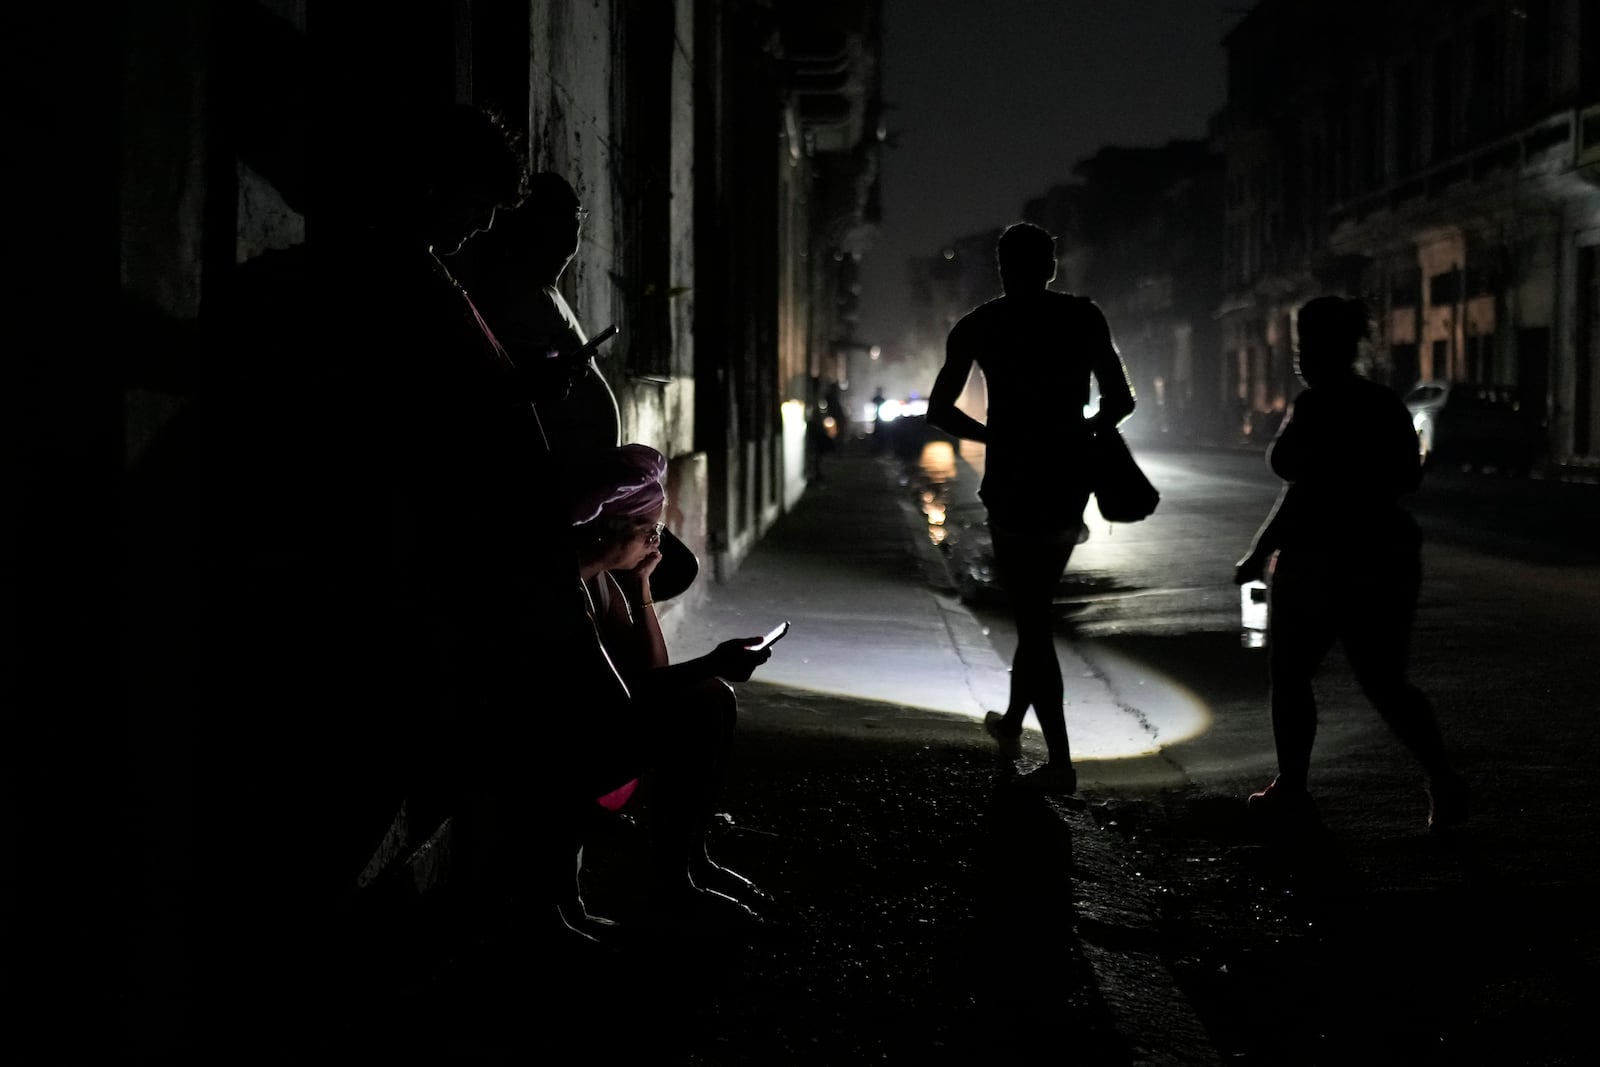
(670, 741)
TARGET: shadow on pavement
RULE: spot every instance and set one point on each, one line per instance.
(923, 913)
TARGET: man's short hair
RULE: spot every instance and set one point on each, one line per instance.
(1026, 250)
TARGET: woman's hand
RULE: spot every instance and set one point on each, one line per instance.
(646, 567)
(736, 661)
(635, 581)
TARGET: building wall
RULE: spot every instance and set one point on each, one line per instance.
(701, 236)
(164, 158)
(611, 107)
(1439, 169)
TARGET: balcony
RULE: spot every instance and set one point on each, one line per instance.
(1539, 147)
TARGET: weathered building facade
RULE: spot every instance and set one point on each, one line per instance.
(1138, 232)
(726, 152)
(1440, 160)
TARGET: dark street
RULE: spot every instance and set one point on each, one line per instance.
(418, 412)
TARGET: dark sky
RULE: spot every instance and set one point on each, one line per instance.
(993, 101)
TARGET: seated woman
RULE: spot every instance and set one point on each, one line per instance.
(672, 736)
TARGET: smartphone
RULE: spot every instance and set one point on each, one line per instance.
(590, 347)
(772, 636)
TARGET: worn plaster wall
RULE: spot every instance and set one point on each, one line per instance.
(579, 108)
(587, 88)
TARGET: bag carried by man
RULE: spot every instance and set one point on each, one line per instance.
(1121, 490)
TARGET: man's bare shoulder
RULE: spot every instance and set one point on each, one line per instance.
(975, 325)
(1074, 303)
(980, 314)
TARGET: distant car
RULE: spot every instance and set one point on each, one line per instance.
(1474, 425)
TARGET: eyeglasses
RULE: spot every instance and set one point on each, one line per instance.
(580, 213)
(652, 533)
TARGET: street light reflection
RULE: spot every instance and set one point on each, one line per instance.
(938, 461)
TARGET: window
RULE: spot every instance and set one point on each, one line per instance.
(1370, 168)
(1483, 105)
(1535, 54)
(1340, 150)
(1480, 358)
(1405, 288)
(1405, 119)
(1403, 366)
(1444, 289)
(1444, 103)
(1479, 280)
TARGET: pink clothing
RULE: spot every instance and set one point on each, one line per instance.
(614, 800)
(624, 482)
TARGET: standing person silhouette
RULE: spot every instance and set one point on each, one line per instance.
(514, 273)
(880, 429)
(1345, 561)
(1033, 344)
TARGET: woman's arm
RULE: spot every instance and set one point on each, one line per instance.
(732, 660)
(1268, 539)
(1293, 452)
(647, 649)
(642, 651)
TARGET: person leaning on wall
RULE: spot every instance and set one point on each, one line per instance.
(514, 273)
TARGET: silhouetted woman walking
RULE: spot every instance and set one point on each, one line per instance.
(1348, 560)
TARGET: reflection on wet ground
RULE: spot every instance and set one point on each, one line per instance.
(955, 516)
(1121, 577)
(957, 525)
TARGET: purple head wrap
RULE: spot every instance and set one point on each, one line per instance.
(624, 482)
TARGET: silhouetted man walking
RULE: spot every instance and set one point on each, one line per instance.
(1037, 350)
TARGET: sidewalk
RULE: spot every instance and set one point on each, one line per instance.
(926, 912)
